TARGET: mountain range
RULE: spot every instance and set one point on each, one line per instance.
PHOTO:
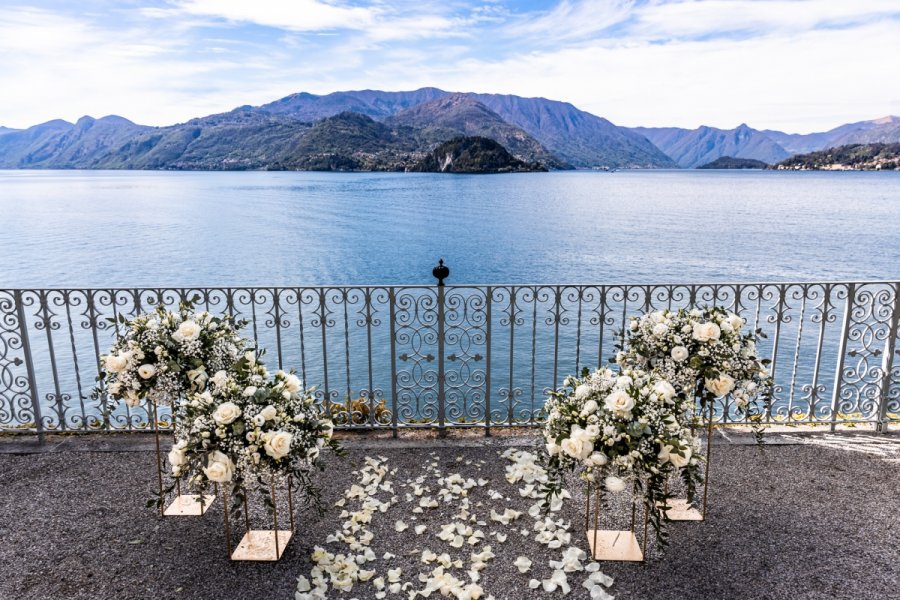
(376, 130)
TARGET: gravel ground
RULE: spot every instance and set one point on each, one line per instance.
(788, 521)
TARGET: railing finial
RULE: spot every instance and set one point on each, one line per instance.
(440, 272)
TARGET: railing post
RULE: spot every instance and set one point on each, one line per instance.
(441, 272)
(887, 363)
(487, 370)
(842, 349)
(29, 366)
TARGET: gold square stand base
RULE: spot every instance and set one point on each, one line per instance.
(189, 505)
(259, 544)
(615, 545)
(680, 510)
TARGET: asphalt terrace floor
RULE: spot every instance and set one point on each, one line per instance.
(814, 518)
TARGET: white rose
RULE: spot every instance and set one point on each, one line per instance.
(115, 363)
(188, 331)
(114, 388)
(552, 448)
(279, 444)
(259, 420)
(619, 403)
(205, 398)
(219, 467)
(268, 413)
(679, 353)
(292, 383)
(176, 454)
(198, 377)
(577, 447)
(592, 432)
(680, 461)
(704, 332)
(624, 381)
(614, 484)
(657, 316)
(583, 391)
(721, 385)
(660, 329)
(735, 321)
(665, 390)
(665, 454)
(220, 378)
(726, 327)
(250, 357)
(132, 399)
(633, 324)
(249, 391)
(589, 408)
(597, 459)
(146, 371)
(226, 413)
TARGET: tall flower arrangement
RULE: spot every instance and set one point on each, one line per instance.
(164, 355)
(248, 427)
(705, 353)
(610, 428)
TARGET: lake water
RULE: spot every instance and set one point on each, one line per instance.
(158, 229)
(105, 228)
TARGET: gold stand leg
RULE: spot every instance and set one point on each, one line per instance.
(709, 434)
(159, 477)
(227, 521)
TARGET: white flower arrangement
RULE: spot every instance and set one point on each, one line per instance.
(250, 426)
(164, 355)
(704, 353)
(611, 427)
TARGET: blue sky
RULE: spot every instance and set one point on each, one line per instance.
(795, 65)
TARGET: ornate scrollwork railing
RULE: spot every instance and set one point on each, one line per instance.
(456, 356)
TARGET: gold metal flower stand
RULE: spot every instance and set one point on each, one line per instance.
(184, 505)
(609, 544)
(679, 508)
(260, 544)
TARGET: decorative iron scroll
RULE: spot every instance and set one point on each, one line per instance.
(450, 356)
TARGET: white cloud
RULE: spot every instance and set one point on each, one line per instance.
(773, 64)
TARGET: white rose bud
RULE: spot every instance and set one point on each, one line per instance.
(249, 391)
(269, 412)
(176, 454)
(614, 484)
(735, 321)
(679, 353)
(583, 391)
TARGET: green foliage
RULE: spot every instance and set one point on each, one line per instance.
(864, 157)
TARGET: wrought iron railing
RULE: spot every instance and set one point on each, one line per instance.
(456, 356)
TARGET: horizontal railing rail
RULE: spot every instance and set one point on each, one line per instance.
(386, 356)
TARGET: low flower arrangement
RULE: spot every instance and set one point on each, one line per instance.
(164, 355)
(703, 353)
(251, 428)
(611, 428)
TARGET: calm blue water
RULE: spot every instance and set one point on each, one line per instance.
(102, 228)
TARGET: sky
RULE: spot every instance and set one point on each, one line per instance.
(793, 65)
